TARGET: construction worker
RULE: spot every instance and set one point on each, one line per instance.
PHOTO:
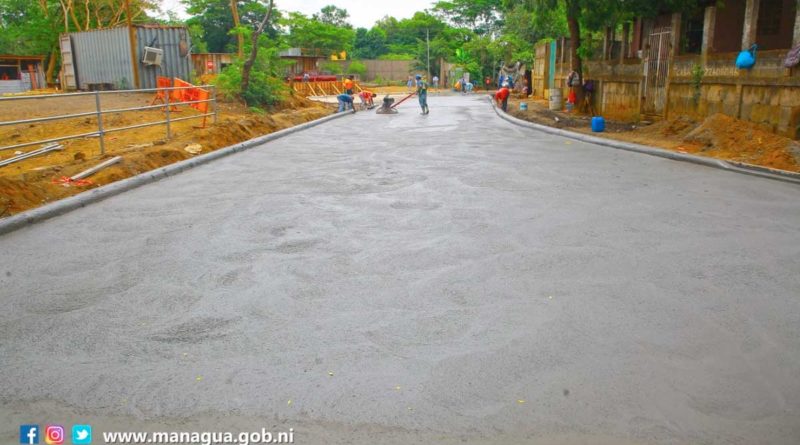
(422, 93)
(345, 100)
(367, 99)
(501, 97)
(349, 85)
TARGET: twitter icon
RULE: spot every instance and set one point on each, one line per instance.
(81, 434)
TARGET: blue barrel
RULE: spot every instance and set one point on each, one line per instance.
(523, 106)
(598, 124)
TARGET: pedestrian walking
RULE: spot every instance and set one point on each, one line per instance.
(501, 97)
(422, 93)
(487, 82)
(435, 82)
(410, 83)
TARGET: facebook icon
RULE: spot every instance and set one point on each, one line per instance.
(29, 434)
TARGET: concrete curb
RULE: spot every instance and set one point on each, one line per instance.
(98, 194)
(738, 167)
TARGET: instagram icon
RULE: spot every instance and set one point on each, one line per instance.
(54, 435)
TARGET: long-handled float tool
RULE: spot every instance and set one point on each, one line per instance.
(389, 105)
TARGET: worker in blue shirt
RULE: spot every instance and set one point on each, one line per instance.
(422, 93)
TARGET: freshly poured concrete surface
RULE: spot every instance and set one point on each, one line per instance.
(446, 278)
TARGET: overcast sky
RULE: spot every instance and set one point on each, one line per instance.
(363, 13)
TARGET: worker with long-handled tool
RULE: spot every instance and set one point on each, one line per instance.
(422, 93)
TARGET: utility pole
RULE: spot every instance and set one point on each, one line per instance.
(428, 43)
(132, 39)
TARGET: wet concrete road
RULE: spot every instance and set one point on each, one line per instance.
(447, 278)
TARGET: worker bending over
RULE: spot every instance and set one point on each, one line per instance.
(501, 97)
(367, 99)
(345, 100)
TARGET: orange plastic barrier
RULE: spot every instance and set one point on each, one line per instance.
(180, 95)
(162, 83)
(191, 93)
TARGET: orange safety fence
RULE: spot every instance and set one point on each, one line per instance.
(190, 93)
(162, 83)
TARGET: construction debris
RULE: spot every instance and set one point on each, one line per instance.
(22, 156)
(193, 148)
(96, 168)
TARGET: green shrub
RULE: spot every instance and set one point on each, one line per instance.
(357, 67)
(395, 56)
(265, 88)
(332, 67)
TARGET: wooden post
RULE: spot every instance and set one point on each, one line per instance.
(675, 42)
(750, 23)
(674, 51)
(132, 39)
(796, 37)
(709, 27)
(626, 34)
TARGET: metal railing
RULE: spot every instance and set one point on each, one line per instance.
(99, 112)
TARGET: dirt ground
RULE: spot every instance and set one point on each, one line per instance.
(34, 182)
(718, 136)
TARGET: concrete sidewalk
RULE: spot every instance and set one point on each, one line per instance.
(449, 278)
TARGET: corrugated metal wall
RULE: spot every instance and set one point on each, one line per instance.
(102, 56)
(177, 61)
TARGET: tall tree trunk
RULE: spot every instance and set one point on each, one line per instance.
(51, 67)
(248, 64)
(574, 36)
(236, 23)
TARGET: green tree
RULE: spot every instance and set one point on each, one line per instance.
(215, 19)
(370, 44)
(331, 15)
(481, 16)
(305, 32)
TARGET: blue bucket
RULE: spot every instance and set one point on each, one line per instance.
(598, 124)
(523, 106)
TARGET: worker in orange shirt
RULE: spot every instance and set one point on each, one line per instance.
(501, 97)
(349, 84)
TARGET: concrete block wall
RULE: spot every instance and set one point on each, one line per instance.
(768, 95)
(619, 100)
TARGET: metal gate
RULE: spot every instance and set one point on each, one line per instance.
(656, 69)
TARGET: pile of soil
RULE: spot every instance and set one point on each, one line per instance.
(724, 137)
(718, 136)
(31, 183)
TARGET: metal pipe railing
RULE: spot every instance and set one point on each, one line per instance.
(89, 93)
(99, 112)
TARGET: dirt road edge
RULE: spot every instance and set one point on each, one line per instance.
(737, 167)
(65, 205)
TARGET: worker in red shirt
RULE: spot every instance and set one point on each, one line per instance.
(501, 97)
(367, 99)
